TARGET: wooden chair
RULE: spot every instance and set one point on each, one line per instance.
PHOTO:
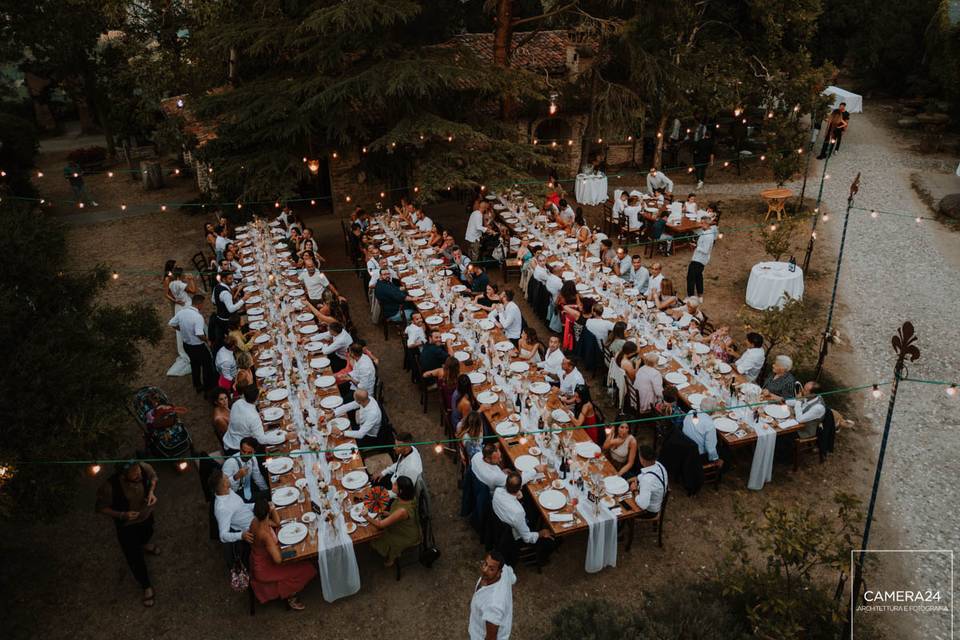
(802, 445)
(511, 266)
(713, 473)
(202, 264)
(426, 385)
(411, 555)
(661, 516)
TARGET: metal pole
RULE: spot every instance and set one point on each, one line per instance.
(814, 132)
(903, 345)
(816, 209)
(825, 341)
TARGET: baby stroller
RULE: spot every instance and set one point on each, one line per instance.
(164, 434)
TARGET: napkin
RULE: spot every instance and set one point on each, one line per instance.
(561, 517)
(786, 424)
(616, 511)
(682, 385)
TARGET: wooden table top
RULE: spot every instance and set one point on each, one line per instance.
(776, 194)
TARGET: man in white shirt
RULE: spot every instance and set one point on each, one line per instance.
(599, 327)
(491, 608)
(408, 463)
(226, 361)
(507, 507)
(338, 346)
(649, 383)
(618, 206)
(566, 215)
(541, 272)
(314, 281)
(751, 361)
(639, 275)
(700, 258)
(656, 279)
(373, 265)
(570, 378)
(698, 426)
(510, 318)
(220, 244)
(244, 421)
(416, 336)
(809, 409)
(623, 265)
(554, 282)
(193, 331)
(367, 417)
(475, 230)
(363, 373)
(552, 363)
(461, 263)
(485, 465)
(233, 515)
(652, 483)
(658, 180)
(424, 223)
(243, 471)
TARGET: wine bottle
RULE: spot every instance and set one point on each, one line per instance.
(564, 468)
(793, 264)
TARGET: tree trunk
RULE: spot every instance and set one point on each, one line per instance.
(36, 86)
(93, 99)
(232, 74)
(661, 135)
(502, 38)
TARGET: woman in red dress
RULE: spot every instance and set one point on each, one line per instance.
(269, 579)
(584, 414)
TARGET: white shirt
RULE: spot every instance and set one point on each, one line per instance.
(339, 344)
(233, 464)
(425, 224)
(567, 215)
(511, 319)
(750, 363)
(363, 375)
(244, 421)
(641, 279)
(618, 207)
(494, 604)
(569, 381)
(226, 363)
(553, 284)
(233, 516)
(416, 336)
(655, 282)
(474, 227)
(704, 246)
(632, 216)
(540, 273)
(220, 245)
(178, 289)
(510, 512)
(552, 362)
(227, 299)
(409, 465)
(316, 284)
(600, 328)
(190, 324)
(660, 181)
(649, 385)
(704, 434)
(651, 487)
(373, 268)
(368, 418)
(492, 475)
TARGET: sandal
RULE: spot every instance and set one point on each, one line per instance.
(294, 604)
(148, 600)
(152, 549)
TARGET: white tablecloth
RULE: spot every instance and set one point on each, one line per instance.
(769, 281)
(591, 189)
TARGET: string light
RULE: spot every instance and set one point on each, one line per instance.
(80, 205)
(116, 276)
(876, 393)
(726, 164)
(39, 174)
(109, 174)
(182, 465)
(569, 143)
(762, 158)
(348, 198)
(334, 155)
(813, 234)
(659, 134)
(304, 159)
(629, 138)
(826, 176)
(3, 174)
(696, 418)
(239, 205)
(95, 469)
(483, 187)
(163, 207)
(800, 151)
(553, 144)
(179, 103)
(689, 169)
(796, 108)
(599, 140)
(744, 121)
(313, 203)
(737, 112)
(825, 217)
(176, 172)
(535, 141)
(773, 227)
(393, 144)
(952, 391)
(873, 213)
(123, 207)
(438, 448)
(364, 150)
(421, 136)
(770, 115)
(416, 189)
(383, 195)
(449, 138)
(209, 169)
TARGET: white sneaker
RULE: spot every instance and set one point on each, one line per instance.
(94, 204)
(699, 184)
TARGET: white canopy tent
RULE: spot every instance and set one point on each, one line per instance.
(854, 101)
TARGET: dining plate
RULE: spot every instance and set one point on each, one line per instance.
(615, 485)
(304, 317)
(726, 425)
(507, 428)
(504, 345)
(426, 305)
(319, 363)
(252, 288)
(340, 424)
(415, 293)
(255, 300)
(277, 466)
(560, 415)
(476, 377)
(274, 436)
(462, 356)
(581, 287)
(750, 389)
(313, 346)
(540, 388)
(675, 377)
(292, 533)
(331, 402)
(435, 262)
(592, 259)
(256, 325)
(458, 288)
(285, 495)
(410, 280)
(255, 311)
(526, 463)
(379, 236)
(325, 381)
(700, 347)
(777, 411)
(433, 320)
(308, 329)
(351, 527)
(694, 399)
(487, 397)
(419, 242)
(308, 517)
(519, 366)
(266, 372)
(272, 414)
(248, 268)
(354, 480)
(295, 293)
(588, 450)
(551, 499)
(724, 368)
(358, 513)
(276, 395)
(344, 451)
(631, 291)
(263, 337)
(486, 324)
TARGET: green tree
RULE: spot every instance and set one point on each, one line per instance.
(18, 154)
(784, 329)
(68, 365)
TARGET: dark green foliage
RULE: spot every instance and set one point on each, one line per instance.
(17, 155)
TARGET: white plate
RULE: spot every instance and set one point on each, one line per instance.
(255, 300)
(675, 377)
(695, 399)
(284, 495)
(351, 527)
(777, 411)
(560, 415)
(277, 466)
(462, 356)
(340, 424)
(304, 317)
(630, 291)
(276, 395)
(266, 372)
(487, 397)
(325, 381)
(540, 388)
(410, 280)
(354, 480)
(344, 451)
(519, 366)
(379, 236)
(507, 429)
(251, 288)
(457, 288)
(313, 346)
(581, 287)
(262, 338)
(256, 325)
(272, 414)
(295, 293)
(426, 305)
(308, 329)
(415, 293)
(308, 517)
(726, 425)
(503, 345)
(292, 533)
(526, 463)
(486, 325)
(248, 268)
(700, 347)
(551, 499)
(435, 262)
(433, 320)
(724, 368)
(750, 389)
(358, 513)
(331, 402)
(615, 485)
(476, 377)
(274, 436)
(319, 363)
(255, 311)
(588, 450)
(592, 259)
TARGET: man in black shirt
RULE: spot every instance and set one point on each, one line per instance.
(393, 300)
(702, 156)
(478, 280)
(433, 355)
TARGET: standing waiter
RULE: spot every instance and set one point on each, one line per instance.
(223, 297)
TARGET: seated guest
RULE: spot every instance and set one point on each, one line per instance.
(569, 303)
(408, 462)
(721, 344)
(464, 401)
(415, 331)
(618, 206)
(584, 414)
(447, 380)
(338, 346)
(810, 409)
(639, 275)
(395, 304)
(780, 383)
(570, 378)
(433, 355)
(461, 264)
(669, 407)
(244, 421)
(242, 470)
(633, 214)
(314, 281)
(659, 230)
(486, 467)
(656, 278)
(529, 345)
(490, 297)
(470, 434)
(401, 526)
(626, 359)
(553, 358)
(424, 224)
(623, 265)
(617, 336)
(270, 577)
(232, 514)
(478, 280)
(666, 298)
(509, 317)
(360, 373)
(751, 361)
(541, 271)
(691, 308)
(649, 383)
(508, 508)
(553, 281)
(607, 254)
(241, 340)
(565, 215)
(599, 327)
(245, 375)
(652, 483)
(367, 418)
(621, 449)
(329, 309)
(698, 426)
(221, 413)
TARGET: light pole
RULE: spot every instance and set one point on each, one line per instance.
(903, 345)
(816, 209)
(827, 333)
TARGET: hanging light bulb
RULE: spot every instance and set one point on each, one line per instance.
(737, 112)
(364, 150)
(873, 213)
(952, 391)
(483, 187)
(553, 144)
(919, 219)
(209, 169)
(744, 121)
(769, 115)
(569, 143)
(773, 227)
(449, 138)
(179, 103)
(726, 164)
(421, 136)
(163, 207)
(3, 174)
(80, 205)
(115, 276)
(176, 172)
(313, 203)
(800, 151)
(689, 169)
(39, 174)
(599, 140)
(383, 194)
(416, 189)
(553, 103)
(826, 176)
(304, 158)
(535, 141)
(239, 205)
(438, 448)
(796, 108)
(762, 158)
(875, 392)
(825, 217)
(629, 138)
(182, 465)
(659, 134)
(95, 469)
(334, 155)
(313, 166)
(393, 144)
(276, 204)
(348, 198)
(696, 418)
(109, 174)
(123, 207)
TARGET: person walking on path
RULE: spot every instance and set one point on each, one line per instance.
(73, 172)
(491, 608)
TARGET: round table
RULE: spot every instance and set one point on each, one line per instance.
(591, 188)
(770, 281)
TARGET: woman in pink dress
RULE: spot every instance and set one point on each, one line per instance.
(269, 579)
